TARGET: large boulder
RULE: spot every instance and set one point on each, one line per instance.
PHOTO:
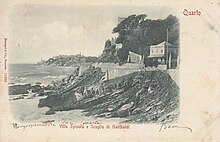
(59, 102)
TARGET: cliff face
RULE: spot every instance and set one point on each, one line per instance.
(140, 96)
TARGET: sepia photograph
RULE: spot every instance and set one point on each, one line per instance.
(131, 75)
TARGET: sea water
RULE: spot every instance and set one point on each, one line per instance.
(33, 73)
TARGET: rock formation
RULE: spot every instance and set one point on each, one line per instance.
(143, 96)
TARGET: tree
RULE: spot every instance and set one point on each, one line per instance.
(136, 32)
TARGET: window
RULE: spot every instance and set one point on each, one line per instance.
(162, 51)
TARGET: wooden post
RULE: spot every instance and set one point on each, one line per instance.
(170, 60)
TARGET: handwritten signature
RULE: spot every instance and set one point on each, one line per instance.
(169, 126)
(17, 126)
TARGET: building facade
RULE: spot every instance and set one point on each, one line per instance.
(164, 55)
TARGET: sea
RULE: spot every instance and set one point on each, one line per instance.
(33, 73)
(26, 110)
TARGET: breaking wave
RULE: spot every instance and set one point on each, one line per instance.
(55, 77)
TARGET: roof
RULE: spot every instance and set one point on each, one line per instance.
(135, 54)
(164, 43)
(134, 57)
(156, 55)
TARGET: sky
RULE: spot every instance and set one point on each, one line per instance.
(39, 32)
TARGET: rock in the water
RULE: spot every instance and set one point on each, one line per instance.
(19, 89)
(36, 88)
(24, 89)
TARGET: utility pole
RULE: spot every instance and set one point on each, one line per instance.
(167, 50)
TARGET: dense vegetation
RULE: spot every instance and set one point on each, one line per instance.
(136, 33)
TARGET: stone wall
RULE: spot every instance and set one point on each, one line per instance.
(115, 70)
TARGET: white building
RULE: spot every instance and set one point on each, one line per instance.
(164, 55)
(134, 58)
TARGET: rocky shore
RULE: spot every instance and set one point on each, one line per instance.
(141, 97)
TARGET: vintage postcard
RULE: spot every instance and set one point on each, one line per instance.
(110, 71)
